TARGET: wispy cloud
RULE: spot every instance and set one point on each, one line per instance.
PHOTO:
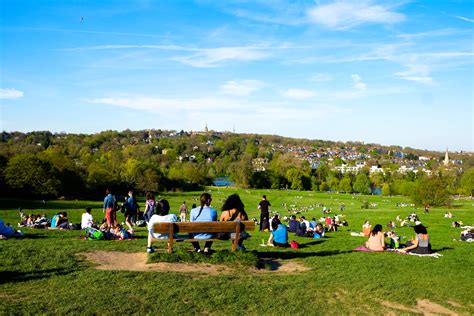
(242, 87)
(298, 94)
(358, 83)
(418, 73)
(198, 57)
(465, 19)
(10, 93)
(108, 33)
(213, 57)
(343, 15)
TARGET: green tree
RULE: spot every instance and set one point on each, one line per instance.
(27, 174)
(362, 184)
(431, 191)
(345, 185)
(386, 189)
(467, 182)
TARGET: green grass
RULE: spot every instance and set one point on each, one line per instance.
(43, 274)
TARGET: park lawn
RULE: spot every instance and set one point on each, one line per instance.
(43, 272)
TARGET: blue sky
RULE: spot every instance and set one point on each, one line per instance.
(388, 72)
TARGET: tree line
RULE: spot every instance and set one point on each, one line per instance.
(42, 164)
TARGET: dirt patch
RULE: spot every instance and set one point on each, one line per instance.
(137, 261)
(424, 307)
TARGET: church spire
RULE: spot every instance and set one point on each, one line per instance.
(446, 158)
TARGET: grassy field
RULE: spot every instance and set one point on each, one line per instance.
(43, 273)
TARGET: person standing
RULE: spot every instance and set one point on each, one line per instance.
(109, 209)
(132, 206)
(264, 213)
(149, 206)
(183, 210)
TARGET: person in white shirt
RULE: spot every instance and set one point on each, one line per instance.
(161, 216)
(87, 219)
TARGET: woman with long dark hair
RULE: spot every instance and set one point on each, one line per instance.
(376, 240)
(421, 243)
(234, 210)
(204, 213)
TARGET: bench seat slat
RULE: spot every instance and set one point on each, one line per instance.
(199, 227)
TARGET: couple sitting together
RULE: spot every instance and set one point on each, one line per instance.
(419, 245)
(232, 210)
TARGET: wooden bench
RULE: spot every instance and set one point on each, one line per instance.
(202, 227)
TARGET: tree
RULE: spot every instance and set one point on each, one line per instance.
(362, 184)
(467, 182)
(431, 191)
(27, 174)
(345, 185)
(386, 189)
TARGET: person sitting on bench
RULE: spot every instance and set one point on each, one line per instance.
(234, 210)
(161, 216)
(205, 213)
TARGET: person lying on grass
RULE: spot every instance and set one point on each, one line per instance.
(234, 210)
(421, 243)
(120, 233)
(161, 215)
(376, 240)
(279, 234)
(7, 231)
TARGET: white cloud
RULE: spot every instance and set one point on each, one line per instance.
(415, 72)
(343, 15)
(358, 83)
(242, 88)
(465, 19)
(298, 94)
(10, 93)
(213, 57)
(197, 57)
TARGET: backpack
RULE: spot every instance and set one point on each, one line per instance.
(294, 244)
(94, 234)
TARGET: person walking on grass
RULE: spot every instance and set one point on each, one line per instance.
(205, 213)
(183, 210)
(264, 213)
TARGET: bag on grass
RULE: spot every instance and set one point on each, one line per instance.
(294, 244)
(94, 234)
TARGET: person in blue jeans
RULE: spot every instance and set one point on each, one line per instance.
(204, 213)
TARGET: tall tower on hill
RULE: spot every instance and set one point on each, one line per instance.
(206, 130)
(446, 158)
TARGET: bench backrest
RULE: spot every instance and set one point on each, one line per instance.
(202, 227)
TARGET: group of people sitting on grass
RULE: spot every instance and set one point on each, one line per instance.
(58, 221)
(315, 229)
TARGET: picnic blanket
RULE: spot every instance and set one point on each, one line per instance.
(365, 249)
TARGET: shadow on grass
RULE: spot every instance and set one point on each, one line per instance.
(442, 249)
(18, 276)
(297, 255)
